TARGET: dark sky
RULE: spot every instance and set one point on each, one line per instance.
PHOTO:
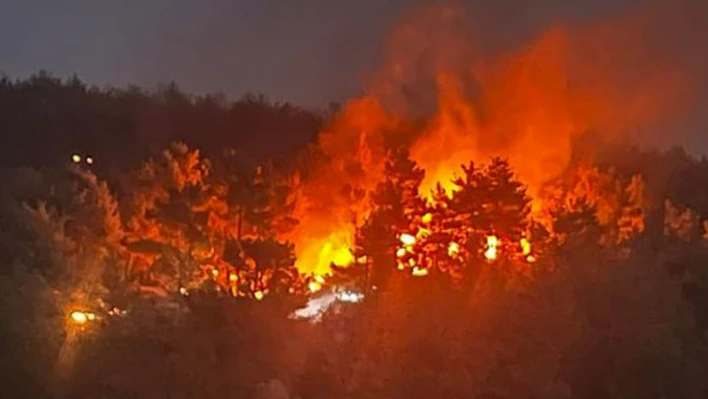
(307, 51)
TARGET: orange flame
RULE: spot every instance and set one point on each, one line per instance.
(528, 106)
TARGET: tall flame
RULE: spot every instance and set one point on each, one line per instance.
(528, 106)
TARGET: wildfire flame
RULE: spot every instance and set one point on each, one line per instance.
(492, 246)
(528, 105)
(453, 249)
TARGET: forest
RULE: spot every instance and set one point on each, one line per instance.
(157, 244)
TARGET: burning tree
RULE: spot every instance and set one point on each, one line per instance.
(396, 205)
(485, 216)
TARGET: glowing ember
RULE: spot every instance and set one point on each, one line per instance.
(492, 246)
(531, 259)
(453, 249)
(314, 286)
(214, 272)
(233, 277)
(419, 271)
(79, 317)
(258, 295)
(427, 218)
(401, 252)
(525, 246)
(407, 239)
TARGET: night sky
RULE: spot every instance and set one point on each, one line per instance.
(307, 51)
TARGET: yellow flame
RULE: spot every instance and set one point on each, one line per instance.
(316, 254)
(401, 252)
(423, 232)
(525, 246)
(314, 286)
(233, 277)
(492, 244)
(427, 218)
(453, 249)
(258, 295)
(419, 271)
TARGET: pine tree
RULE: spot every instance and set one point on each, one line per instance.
(396, 205)
(488, 202)
(256, 199)
(505, 205)
(167, 222)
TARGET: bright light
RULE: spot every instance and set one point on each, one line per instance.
(492, 244)
(401, 252)
(319, 279)
(258, 295)
(525, 246)
(314, 286)
(531, 259)
(233, 277)
(453, 249)
(214, 272)
(342, 257)
(348, 296)
(76, 158)
(79, 317)
(183, 291)
(419, 271)
(407, 239)
(427, 218)
(89, 160)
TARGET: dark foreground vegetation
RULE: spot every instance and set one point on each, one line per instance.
(179, 255)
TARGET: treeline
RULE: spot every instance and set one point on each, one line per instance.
(601, 294)
(45, 119)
